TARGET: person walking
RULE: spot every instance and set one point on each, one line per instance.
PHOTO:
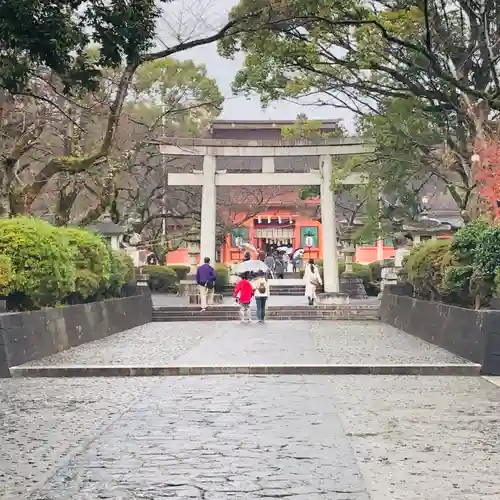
(243, 293)
(312, 278)
(270, 262)
(261, 292)
(205, 277)
(286, 262)
(279, 267)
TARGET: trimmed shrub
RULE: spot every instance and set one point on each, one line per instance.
(161, 279)
(180, 270)
(128, 265)
(5, 275)
(122, 271)
(92, 261)
(222, 280)
(375, 270)
(427, 265)
(42, 262)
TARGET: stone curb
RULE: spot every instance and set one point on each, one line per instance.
(179, 371)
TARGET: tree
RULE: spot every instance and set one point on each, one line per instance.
(54, 35)
(168, 97)
(358, 57)
(487, 166)
(124, 32)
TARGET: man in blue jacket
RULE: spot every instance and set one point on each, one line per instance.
(205, 277)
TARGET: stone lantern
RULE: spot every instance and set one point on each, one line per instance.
(192, 238)
(349, 283)
(110, 231)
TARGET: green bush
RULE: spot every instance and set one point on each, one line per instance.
(42, 261)
(122, 271)
(161, 279)
(466, 240)
(5, 275)
(128, 266)
(427, 265)
(222, 280)
(181, 271)
(487, 252)
(92, 261)
(375, 270)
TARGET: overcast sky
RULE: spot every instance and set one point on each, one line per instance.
(195, 18)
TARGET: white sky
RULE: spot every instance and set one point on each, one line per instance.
(194, 18)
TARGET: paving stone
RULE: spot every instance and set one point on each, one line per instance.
(422, 438)
(373, 342)
(283, 342)
(153, 343)
(413, 438)
(44, 421)
(206, 438)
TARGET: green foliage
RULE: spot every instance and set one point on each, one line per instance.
(5, 274)
(466, 241)
(181, 271)
(162, 279)
(427, 265)
(487, 251)
(222, 281)
(121, 272)
(183, 88)
(379, 54)
(92, 260)
(375, 271)
(56, 35)
(42, 260)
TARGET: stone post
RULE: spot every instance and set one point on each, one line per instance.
(330, 264)
(208, 209)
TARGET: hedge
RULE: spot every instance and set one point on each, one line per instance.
(122, 271)
(427, 265)
(42, 261)
(222, 280)
(92, 261)
(161, 279)
(180, 270)
(5, 275)
(44, 266)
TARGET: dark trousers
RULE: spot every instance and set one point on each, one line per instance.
(261, 307)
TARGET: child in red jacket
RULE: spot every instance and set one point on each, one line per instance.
(243, 293)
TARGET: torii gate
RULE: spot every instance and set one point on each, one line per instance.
(209, 178)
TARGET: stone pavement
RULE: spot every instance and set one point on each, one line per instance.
(251, 437)
(278, 342)
(303, 438)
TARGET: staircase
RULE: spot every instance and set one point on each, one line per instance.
(231, 313)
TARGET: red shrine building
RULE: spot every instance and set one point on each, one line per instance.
(273, 217)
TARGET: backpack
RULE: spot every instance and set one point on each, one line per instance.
(262, 287)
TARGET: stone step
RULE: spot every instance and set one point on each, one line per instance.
(304, 313)
(449, 369)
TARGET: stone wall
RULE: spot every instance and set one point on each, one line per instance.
(32, 335)
(473, 335)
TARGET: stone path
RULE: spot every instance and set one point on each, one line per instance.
(251, 437)
(278, 342)
(304, 438)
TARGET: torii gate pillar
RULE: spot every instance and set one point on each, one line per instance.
(208, 210)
